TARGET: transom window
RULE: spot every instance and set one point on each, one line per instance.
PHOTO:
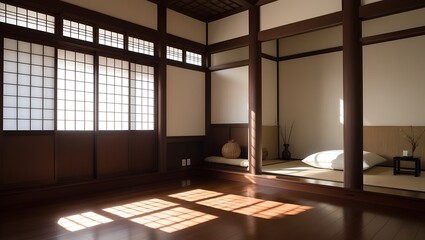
(140, 46)
(75, 91)
(26, 18)
(28, 86)
(193, 58)
(112, 39)
(77, 30)
(175, 54)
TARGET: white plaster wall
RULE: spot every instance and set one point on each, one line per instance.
(186, 27)
(228, 28)
(283, 12)
(394, 83)
(310, 94)
(139, 12)
(229, 96)
(185, 102)
(269, 92)
(321, 39)
(234, 55)
(394, 22)
(269, 47)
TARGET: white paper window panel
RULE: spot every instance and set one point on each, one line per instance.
(26, 18)
(24, 68)
(10, 101)
(48, 103)
(70, 105)
(26, 58)
(24, 113)
(79, 96)
(174, 54)
(9, 89)
(140, 46)
(36, 81)
(24, 102)
(36, 124)
(193, 58)
(24, 124)
(9, 112)
(10, 55)
(36, 103)
(77, 30)
(37, 114)
(11, 67)
(49, 93)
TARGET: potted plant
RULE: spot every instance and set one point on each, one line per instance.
(413, 138)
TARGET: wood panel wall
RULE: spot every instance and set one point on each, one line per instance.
(142, 152)
(390, 141)
(179, 148)
(28, 159)
(33, 159)
(75, 154)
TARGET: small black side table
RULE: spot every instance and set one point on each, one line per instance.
(414, 171)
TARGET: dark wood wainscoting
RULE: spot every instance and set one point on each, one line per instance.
(219, 134)
(142, 153)
(126, 152)
(28, 159)
(179, 148)
(75, 154)
(112, 153)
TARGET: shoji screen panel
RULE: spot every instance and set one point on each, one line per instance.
(113, 94)
(75, 91)
(28, 90)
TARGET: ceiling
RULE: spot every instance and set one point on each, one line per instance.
(209, 10)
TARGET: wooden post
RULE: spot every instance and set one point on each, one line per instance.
(162, 89)
(255, 101)
(353, 95)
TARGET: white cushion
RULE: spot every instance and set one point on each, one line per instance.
(334, 159)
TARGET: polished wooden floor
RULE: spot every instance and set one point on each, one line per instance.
(207, 209)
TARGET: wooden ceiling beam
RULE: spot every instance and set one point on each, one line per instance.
(246, 3)
(388, 7)
(309, 25)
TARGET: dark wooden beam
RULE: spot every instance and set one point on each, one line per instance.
(269, 57)
(262, 2)
(185, 43)
(309, 25)
(246, 3)
(230, 65)
(311, 53)
(229, 44)
(388, 7)
(412, 32)
(352, 95)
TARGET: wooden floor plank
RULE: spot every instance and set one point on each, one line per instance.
(234, 211)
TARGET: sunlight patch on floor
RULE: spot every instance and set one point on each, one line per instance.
(195, 195)
(81, 221)
(138, 208)
(174, 219)
(254, 206)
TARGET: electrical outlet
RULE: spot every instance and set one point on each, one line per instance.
(188, 162)
(183, 162)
